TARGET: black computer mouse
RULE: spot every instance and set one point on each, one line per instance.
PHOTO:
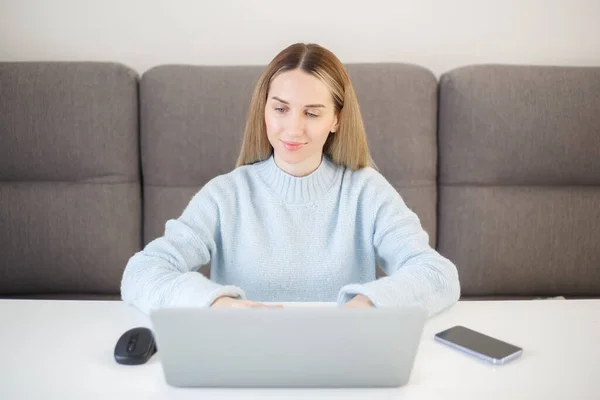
(135, 346)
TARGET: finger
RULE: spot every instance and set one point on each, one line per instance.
(244, 304)
(263, 305)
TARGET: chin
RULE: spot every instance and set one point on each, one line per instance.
(295, 157)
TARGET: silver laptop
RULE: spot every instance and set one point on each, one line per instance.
(287, 347)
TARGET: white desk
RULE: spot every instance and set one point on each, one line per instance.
(64, 350)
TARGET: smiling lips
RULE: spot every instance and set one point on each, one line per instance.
(292, 146)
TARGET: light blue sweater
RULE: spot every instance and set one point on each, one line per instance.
(273, 237)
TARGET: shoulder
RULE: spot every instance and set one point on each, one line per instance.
(368, 181)
(374, 194)
(228, 185)
(218, 188)
(231, 180)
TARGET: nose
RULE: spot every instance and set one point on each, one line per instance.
(296, 126)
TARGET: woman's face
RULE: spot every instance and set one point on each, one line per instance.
(299, 115)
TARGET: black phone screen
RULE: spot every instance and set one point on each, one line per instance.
(478, 342)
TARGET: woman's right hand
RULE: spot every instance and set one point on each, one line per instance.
(230, 302)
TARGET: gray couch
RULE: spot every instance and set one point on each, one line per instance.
(501, 163)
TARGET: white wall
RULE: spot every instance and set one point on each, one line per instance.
(438, 34)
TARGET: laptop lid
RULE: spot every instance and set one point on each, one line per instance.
(287, 347)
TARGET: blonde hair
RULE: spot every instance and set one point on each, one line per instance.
(346, 147)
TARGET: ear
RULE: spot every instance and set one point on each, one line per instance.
(336, 123)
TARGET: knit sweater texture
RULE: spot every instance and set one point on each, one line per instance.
(273, 237)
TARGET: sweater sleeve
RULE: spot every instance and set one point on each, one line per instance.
(164, 273)
(417, 275)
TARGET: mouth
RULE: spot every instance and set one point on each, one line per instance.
(292, 145)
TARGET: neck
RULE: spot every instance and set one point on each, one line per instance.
(298, 189)
(301, 169)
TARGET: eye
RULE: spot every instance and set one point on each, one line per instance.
(280, 109)
(311, 114)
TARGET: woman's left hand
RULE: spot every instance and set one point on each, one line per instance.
(359, 301)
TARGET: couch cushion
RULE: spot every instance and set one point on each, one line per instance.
(70, 200)
(520, 179)
(192, 121)
(398, 103)
(64, 296)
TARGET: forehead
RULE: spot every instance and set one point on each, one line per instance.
(299, 87)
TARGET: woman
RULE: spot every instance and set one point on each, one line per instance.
(304, 216)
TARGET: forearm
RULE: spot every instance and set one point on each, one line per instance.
(428, 280)
(150, 283)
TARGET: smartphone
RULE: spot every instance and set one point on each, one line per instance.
(479, 345)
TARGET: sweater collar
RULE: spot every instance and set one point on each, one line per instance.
(296, 190)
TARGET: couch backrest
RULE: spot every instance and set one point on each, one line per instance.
(519, 150)
(70, 202)
(514, 157)
(192, 121)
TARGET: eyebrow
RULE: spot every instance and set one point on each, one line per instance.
(307, 106)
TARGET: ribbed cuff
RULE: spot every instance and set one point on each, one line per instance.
(382, 293)
(199, 291)
(348, 292)
(228, 291)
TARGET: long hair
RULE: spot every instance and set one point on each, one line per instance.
(346, 147)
